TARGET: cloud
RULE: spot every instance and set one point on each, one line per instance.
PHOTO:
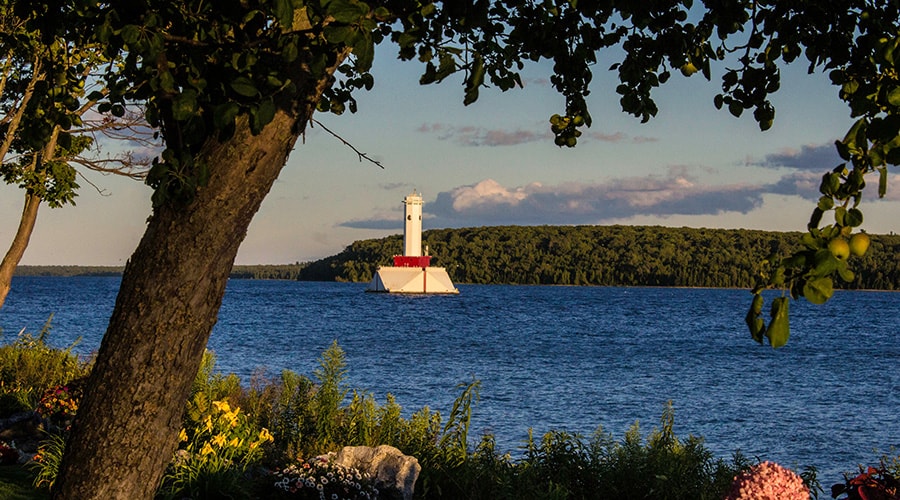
(619, 137)
(676, 192)
(819, 158)
(490, 203)
(472, 136)
(478, 136)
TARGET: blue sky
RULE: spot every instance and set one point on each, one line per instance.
(494, 162)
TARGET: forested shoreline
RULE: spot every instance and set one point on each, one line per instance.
(603, 255)
(259, 271)
(569, 255)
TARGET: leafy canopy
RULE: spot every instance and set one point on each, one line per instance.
(201, 66)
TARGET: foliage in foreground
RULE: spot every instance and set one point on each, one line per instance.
(238, 442)
(29, 366)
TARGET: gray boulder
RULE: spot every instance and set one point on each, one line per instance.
(395, 473)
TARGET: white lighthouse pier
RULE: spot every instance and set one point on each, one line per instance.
(412, 271)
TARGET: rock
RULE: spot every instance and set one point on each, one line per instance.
(395, 473)
(23, 426)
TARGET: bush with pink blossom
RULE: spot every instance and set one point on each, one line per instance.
(768, 481)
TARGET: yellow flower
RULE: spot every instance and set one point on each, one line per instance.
(265, 436)
(219, 440)
(182, 436)
(235, 442)
(209, 424)
(222, 406)
(206, 450)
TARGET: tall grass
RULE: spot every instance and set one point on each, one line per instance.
(310, 416)
(29, 366)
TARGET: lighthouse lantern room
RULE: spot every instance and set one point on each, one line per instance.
(412, 271)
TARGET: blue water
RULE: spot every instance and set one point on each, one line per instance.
(567, 358)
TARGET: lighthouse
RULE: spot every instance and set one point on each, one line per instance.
(412, 271)
(412, 228)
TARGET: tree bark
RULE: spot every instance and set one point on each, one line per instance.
(19, 244)
(127, 425)
(29, 216)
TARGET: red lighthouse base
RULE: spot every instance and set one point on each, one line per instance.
(412, 261)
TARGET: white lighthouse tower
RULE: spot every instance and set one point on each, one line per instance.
(412, 271)
(412, 228)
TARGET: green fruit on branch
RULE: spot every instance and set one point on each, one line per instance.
(688, 69)
(859, 243)
(839, 248)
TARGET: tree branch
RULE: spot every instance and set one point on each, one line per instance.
(362, 156)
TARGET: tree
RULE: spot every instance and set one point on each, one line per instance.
(45, 128)
(232, 85)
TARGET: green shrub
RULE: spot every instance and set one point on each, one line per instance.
(46, 462)
(29, 366)
(225, 452)
(663, 467)
(215, 453)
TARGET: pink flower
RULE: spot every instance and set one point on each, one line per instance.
(768, 481)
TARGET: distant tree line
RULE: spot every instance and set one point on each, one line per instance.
(268, 272)
(602, 255)
(68, 271)
(259, 272)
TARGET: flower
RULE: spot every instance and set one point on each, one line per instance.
(320, 478)
(768, 481)
(218, 440)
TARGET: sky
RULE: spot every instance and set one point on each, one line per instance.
(494, 163)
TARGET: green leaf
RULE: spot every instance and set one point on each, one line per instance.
(831, 182)
(344, 11)
(845, 273)
(290, 52)
(815, 218)
(475, 80)
(284, 13)
(855, 135)
(779, 329)
(854, 218)
(840, 214)
(364, 49)
(894, 96)
(167, 81)
(244, 86)
(882, 181)
(819, 290)
(224, 114)
(184, 105)
(754, 322)
(824, 263)
(130, 33)
(340, 34)
(265, 112)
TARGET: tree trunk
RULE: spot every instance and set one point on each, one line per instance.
(29, 212)
(19, 244)
(126, 429)
(127, 426)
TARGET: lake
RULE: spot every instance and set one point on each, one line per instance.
(565, 358)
